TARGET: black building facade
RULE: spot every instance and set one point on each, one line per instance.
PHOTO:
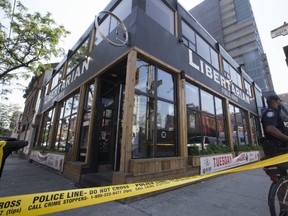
(130, 111)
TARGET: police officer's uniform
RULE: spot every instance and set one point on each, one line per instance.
(272, 146)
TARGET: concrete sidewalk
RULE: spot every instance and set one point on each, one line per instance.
(238, 194)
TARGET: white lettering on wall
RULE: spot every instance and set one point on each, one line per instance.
(70, 78)
(191, 60)
(229, 88)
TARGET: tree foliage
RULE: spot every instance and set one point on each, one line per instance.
(27, 41)
(8, 118)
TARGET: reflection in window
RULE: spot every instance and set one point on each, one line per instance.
(206, 52)
(226, 68)
(218, 107)
(47, 89)
(232, 74)
(193, 123)
(207, 102)
(78, 56)
(161, 13)
(239, 125)
(255, 129)
(165, 129)
(204, 127)
(57, 77)
(75, 103)
(145, 77)
(85, 122)
(165, 85)
(67, 124)
(67, 107)
(203, 48)
(48, 119)
(154, 130)
(192, 96)
(123, 9)
(188, 36)
(209, 125)
(142, 129)
(221, 131)
(235, 77)
(214, 59)
(248, 88)
(89, 96)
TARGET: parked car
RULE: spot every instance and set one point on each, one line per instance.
(203, 141)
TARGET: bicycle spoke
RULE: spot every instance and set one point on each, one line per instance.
(281, 199)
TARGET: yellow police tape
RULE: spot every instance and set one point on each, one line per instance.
(2, 144)
(50, 202)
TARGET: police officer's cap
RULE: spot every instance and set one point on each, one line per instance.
(272, 98)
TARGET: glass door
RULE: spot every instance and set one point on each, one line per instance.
(107, 138)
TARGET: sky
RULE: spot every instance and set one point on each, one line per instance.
(76, 16)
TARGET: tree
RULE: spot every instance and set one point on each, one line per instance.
(26, 41)
(8, 118)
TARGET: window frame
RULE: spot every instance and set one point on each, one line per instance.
(202, 115)
(199, 45)
(154, 98)
(67, 117)
(171, 28)
(240, 121)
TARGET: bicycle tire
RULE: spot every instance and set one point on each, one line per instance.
(278, 197)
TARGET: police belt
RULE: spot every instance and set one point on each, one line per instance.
(280, 145)
(274, 142)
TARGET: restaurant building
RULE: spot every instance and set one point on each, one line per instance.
(233, 25)
(123, 105)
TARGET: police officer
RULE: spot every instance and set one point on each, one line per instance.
(274, 129)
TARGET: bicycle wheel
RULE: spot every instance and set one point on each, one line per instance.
(278, 198)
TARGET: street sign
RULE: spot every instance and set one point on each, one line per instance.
(282, 30)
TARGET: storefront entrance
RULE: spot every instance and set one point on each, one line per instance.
(107, 128)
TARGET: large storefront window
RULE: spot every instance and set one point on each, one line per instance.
(154, 120)
(239, 125)
(67, 124)
(143, 121)
(256, 131)
(86, 121)
(221, 132)
(48, 118)
(207, 102)
(205, 126)
(192, 97)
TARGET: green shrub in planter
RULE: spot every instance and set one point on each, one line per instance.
(210, 150)
(44, 149)
(40, 148)
(194, 150)
(247, 148)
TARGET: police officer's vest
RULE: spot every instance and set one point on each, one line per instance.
(279, 125)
